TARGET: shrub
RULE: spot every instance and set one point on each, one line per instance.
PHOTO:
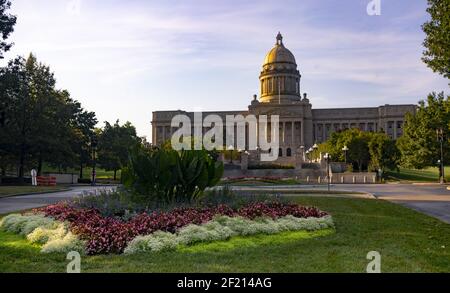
(278, 209)
(171, 176)
(111, 235)
(65, 244)
(54, 235)
(270, 166)
(42, 235)
(154, 242)
(222, 228)
(110, 203)
(211, 231)
(24, 224)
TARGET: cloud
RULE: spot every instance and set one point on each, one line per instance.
(156, 55)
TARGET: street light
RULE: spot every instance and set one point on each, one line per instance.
(345, 149)
(94, 147)
(440, 138)
(302, 151)
(327, 158)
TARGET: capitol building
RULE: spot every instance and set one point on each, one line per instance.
(300, 126)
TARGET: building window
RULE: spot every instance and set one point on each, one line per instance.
(280, 152)
(288, 152)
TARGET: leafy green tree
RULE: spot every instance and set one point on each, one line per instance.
(437, 41)
(357, 143)
(7, 22)
(39, 121)
(384, 153)
(365, 149)
(419, 146)
(114, 143)
(83, 126)
(27, 90)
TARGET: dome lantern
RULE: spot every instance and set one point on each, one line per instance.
(279, 39)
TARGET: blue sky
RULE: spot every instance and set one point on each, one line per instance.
(125, 59)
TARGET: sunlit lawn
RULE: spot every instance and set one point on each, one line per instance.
(407, 240)
(430, 174)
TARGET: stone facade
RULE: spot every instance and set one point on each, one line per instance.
(300, 125)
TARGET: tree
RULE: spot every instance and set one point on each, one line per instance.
(114, 143)
(357, 142)
(419, 146)
(384, 153)
(39, 122)
(437, 41)
(7, 22)
(82, 131)
(365, 149)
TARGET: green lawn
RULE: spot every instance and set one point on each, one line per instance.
(87, 172)
(407, 240)
(12, 190)
(430, 174)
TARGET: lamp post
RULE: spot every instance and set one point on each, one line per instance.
(327, 158)
(230, 148)
(314, 149)
(440, 137)
(345, 149)
(94, 148)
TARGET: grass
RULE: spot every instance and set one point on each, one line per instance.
(27, 189)
(87, 172)
(430, 174)
(407, 240)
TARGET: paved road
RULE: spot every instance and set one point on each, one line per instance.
(23, 202)
(431, 199)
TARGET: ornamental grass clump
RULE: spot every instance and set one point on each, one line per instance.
(42, 235)
(105, 235)
(69, 242)
(24, 224)
(53, 235)
(223, 228)
(154, 242)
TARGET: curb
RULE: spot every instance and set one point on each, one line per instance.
(32, 193)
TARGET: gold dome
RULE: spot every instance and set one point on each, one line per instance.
(279, 53)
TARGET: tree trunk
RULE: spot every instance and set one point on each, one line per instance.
(21, 163)
(39, 170)
(81, 170)
(115, 172)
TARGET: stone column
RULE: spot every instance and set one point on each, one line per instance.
(244, 161)
(302, 141)
(292, 135)
(163, 133)
(395, 129)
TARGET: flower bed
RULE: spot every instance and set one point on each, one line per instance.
(112, 235)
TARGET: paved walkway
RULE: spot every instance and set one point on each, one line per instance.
(430, 199)
(23, 202)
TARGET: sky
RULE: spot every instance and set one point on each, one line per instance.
(126, 59)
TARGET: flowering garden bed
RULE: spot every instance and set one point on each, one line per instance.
(63, 227)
